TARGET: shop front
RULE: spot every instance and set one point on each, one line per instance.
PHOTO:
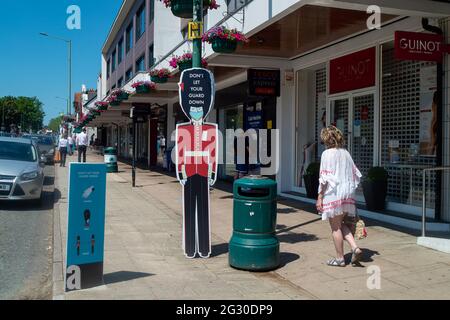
(384, 106)
(236, 109)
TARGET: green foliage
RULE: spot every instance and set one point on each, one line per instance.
(313, 169)
(21, 111)
(377, 174)
(55, 123)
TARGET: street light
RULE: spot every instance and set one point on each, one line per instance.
(69, 46)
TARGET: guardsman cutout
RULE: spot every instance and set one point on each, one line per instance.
(196, 159)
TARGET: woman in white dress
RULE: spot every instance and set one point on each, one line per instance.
(339, 178)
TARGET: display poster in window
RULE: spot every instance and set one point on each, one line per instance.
(428, 111)
(322, 119)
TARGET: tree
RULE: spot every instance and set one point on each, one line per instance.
(25, 112)
(55, 123)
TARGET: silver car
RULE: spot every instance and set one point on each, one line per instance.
(21, 170)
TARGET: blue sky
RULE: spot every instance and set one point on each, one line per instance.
(32, 65)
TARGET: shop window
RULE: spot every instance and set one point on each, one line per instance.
(405, 130)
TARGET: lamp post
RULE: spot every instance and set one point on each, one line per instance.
(197, 43)
(69, 48)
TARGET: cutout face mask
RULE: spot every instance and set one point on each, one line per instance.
(196, 113)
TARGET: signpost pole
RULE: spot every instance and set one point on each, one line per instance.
(197, 43)
(133, 161)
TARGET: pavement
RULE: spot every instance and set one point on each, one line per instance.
(144, 259)
(26, 246)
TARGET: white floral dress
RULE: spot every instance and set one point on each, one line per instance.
(342, 177)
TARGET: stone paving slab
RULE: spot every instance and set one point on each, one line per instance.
(144, 259)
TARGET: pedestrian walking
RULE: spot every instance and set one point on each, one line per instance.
(70, 148)
(62, 146)
(91, 142)
(339, 178)
(82, 143)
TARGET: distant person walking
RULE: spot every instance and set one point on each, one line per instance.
(82, 143)
(91, 143)
(70, 148)
(62, 146)
(339, 178)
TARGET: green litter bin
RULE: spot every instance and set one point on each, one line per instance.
(254, 245)
(110, 154)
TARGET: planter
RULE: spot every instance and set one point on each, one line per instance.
(96, 113)
(311, 185)
(185, 65)
(123, 96)
(102, 108)
(158, 79)
(223, 46)
(143, 89)
(182, 8)
(375, 194)
(115, 103)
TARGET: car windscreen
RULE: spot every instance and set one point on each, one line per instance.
(44, 140)
(17, 151)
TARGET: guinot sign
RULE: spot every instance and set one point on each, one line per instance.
(419, 46)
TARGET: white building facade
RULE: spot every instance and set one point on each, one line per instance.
(316, 46)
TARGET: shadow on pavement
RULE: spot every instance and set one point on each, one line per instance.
(219, 249)
(297, 237)
(287, 257)
(366, 257)
(122, 276)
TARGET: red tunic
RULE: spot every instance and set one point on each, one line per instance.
(196, 150)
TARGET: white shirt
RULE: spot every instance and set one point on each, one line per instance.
(63, 143)
(70, 140)
(342, 177)
(82, 139)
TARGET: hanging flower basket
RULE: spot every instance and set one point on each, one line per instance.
(143, 86)
(101, 105)
(113, 100)
(185, 8)
(224, 40)
(185, 62)
(224, 46)
(95, 113)
(160, 75)
(120, 94)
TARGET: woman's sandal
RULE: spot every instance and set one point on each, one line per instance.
(356, 256)
(336, 262)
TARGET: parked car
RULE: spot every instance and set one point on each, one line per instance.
(21, 169)
(46, 146)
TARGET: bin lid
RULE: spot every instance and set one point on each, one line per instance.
(256, 181)
(110, 150)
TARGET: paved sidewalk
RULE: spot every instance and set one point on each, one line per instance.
(144, 260)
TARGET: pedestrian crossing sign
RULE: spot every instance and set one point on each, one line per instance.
(195, 30)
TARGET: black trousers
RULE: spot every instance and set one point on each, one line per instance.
(196, 200)
(81, 151)
(63, 152)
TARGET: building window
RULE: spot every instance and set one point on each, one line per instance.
(235, 5)
(129, 74)
(151, 58)
(140, 64)
(140, 22)
(120, 83)
(152, 12)
(120, 52)
(108, 64)
(113, 62)
(113, 87)
(129, 36)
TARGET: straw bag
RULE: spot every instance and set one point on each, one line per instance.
(357, 226)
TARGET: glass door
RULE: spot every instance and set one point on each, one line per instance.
(362, 135)
(353, 114)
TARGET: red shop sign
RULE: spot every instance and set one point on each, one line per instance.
(419, 46)
(353, 71)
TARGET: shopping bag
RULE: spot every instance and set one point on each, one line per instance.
(57, 157)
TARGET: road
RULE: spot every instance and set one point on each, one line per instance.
(26, 232)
